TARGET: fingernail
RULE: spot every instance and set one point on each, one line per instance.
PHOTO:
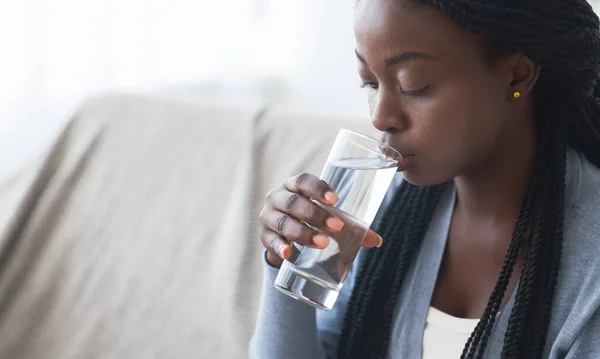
(334, 224)
(284, 252)
(380, 241)
(331, 197)
(321, 240)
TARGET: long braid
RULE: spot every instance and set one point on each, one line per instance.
(415, 232)
(554, 232)
(380, 265)
(367, 275)
(369, 270)
(563, 37)
(483, 329)
(521, 320)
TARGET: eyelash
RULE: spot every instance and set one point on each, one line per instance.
(375, 86)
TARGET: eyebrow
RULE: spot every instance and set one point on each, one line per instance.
(400, 58)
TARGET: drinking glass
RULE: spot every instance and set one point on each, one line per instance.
(359, 169)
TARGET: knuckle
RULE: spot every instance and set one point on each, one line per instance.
(264, 238)
(262, 216)
(291, 200)
(302, 179)
(270, 196)
(272, 242)
(281, 222)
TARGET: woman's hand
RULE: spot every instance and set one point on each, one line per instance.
(288, 206)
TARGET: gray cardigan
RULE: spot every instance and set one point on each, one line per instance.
(292, 330)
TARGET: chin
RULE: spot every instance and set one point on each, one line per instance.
(421, 178)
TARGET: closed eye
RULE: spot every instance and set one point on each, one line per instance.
(375, 86)
(370, 85)
(418, 92)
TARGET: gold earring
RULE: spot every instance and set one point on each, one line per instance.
(517, 94)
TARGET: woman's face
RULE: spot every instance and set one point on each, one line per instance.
(431, 88)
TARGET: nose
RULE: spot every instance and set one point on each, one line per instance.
(387, 113)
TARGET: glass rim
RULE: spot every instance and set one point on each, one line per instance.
(380, 144)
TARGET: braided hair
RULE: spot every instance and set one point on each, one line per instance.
(563, 38)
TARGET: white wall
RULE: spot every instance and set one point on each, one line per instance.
(325, 76)
(61, 51)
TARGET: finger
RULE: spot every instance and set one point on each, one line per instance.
(303, 209)
(276, 244)
(293, 230)
(372, 239)
(312, 187)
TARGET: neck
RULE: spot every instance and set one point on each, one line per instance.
(495, 190)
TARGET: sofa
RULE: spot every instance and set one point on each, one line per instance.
(135, 235)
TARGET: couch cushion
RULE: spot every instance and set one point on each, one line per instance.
(136, 235)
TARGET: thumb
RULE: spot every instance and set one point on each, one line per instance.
(372, 239)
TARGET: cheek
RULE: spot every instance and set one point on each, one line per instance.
(458, 127)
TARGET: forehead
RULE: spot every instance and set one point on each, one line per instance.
(384, 28)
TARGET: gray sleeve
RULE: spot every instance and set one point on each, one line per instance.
(285, 328)
(587, 344)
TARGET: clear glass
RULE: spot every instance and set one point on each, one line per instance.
(360, 170)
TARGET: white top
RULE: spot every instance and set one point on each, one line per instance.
(445, 336)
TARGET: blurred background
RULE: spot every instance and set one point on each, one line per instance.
(55, 53)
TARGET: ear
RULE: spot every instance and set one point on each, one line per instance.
(523, 74)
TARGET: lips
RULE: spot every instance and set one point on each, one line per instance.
(404, 162)
(406, 156)
(402, 153)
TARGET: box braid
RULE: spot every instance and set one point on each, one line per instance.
(562, 36)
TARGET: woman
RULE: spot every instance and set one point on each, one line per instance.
(491, 236)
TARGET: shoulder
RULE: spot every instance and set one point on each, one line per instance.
(580, 267)
(577, 296)
(582, 211)
(583, 182)
(581, 231)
